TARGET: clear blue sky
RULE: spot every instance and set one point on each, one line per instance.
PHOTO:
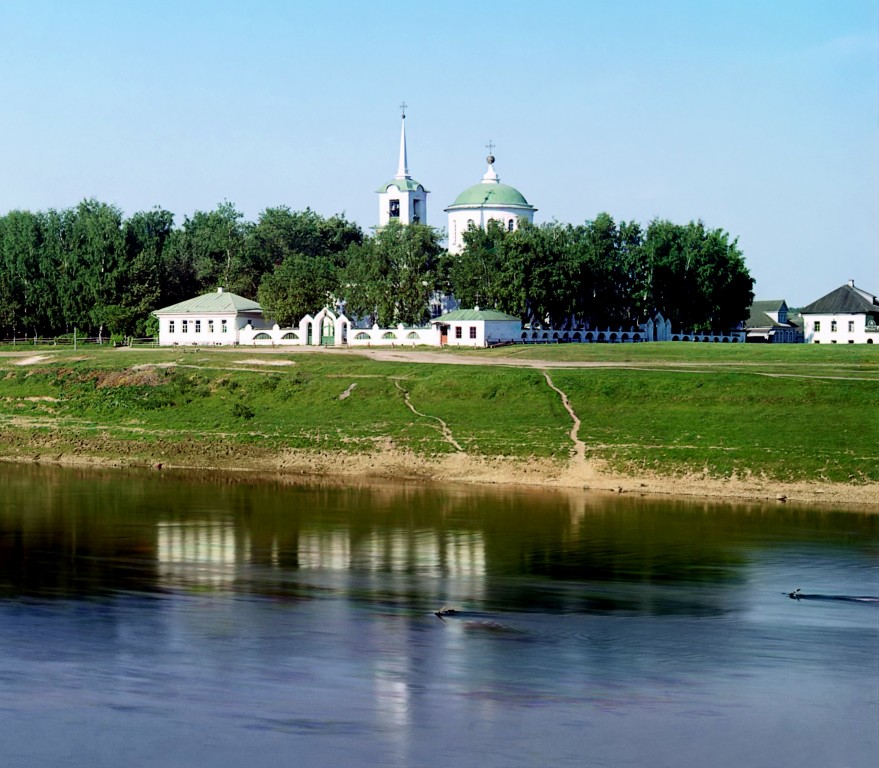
(761, 118)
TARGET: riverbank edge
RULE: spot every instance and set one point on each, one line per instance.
(463, 469)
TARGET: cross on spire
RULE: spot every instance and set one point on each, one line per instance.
(403, 109)
(490, 146)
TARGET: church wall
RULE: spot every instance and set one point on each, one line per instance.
(459, 221)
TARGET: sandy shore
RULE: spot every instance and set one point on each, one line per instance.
(456, 468)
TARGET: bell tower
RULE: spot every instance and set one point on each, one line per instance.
(402, 198)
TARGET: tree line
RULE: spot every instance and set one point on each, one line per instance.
(90, 268)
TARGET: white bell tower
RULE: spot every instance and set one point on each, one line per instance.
(402, 198)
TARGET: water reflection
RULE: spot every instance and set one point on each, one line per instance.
(239, 621)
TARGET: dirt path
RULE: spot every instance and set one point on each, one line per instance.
(443, 427)
(579, 446)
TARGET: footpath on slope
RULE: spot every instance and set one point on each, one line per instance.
(19, 445)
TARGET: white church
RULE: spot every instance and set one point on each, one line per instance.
(405, 199)
(225, 318)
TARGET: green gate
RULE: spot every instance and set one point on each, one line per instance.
(327, 333)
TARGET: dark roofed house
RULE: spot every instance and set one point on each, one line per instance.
(848, 315)
(769, 323)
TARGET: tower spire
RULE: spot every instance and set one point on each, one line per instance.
(403, 167)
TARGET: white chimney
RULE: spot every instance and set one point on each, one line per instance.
(851, 283)
(219, 290)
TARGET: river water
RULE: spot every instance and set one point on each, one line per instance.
(150, 619)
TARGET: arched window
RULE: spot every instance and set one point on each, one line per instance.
(510, 224)
(389, 335)
(262, 337)
(290, 335)
(362, 336)
(412, 335)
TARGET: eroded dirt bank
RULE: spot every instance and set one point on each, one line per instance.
(388, 462)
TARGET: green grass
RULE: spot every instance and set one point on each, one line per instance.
(785, 412)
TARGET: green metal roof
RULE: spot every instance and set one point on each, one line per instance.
(484, 194)
(459, 315)
(404, 185)
(218, 302)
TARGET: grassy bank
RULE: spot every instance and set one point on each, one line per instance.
(791, 414)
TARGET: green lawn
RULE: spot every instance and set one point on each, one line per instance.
(786, 412)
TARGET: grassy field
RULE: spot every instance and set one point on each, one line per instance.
(798, 412)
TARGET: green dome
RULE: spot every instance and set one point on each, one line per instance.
(491, 194)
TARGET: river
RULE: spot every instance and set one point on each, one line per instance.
(159, 619)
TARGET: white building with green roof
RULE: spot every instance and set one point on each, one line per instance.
(484, 202)
(211, 319)
(476, 327)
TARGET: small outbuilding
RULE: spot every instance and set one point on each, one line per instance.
(477, 327)
(848, 315)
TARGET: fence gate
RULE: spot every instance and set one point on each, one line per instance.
(327, 333)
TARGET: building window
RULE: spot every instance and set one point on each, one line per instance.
(210, 326)
(198, 326)
(416, 215)
(510, 225)
(170, 326)
(224, 326)
(458, 332)
(394, 209)
(833, 326)
(185, 326)
(851, 326)
(472, 331)
(817, 326)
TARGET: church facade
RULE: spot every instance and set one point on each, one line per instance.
(405, 200)
(484, 202)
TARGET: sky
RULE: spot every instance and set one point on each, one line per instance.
(759, 118)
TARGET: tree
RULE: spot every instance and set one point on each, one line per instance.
(696, 277)
(25, 293)
(392, 276)
(526, 273)
(299, 285)
(146, 233)
(476, 274)
(209, 249)
(606, 271)
(93, 261)
(301, 255)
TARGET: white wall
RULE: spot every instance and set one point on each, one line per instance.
(406, 205)
(459, 220)
(204, 336)
(842, 334)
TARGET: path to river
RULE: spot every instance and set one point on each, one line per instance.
(581, 473)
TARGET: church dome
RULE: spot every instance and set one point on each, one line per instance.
(490, 194)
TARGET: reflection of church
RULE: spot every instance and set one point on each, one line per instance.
(405, 199)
